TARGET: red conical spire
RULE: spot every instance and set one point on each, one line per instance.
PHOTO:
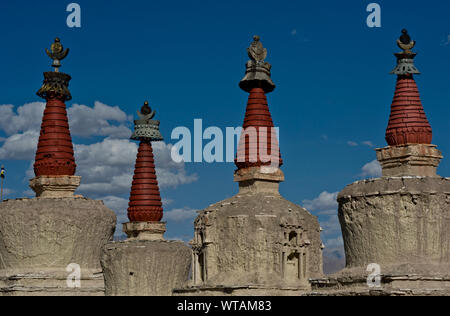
(55, 156)
(258, 145)
(408, 123)
(145, 199)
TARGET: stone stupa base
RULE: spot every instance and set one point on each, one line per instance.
(420, 160)
(398, 280)
(145, 264)
(41, 237)
(401, 224)
(55, 186)
(243, 290)
(50, 282)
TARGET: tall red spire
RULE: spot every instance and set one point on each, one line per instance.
(258, 145)
(256, 150)
(55, 156)
(145, 199)
(408, 123)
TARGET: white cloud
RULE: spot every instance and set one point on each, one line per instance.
(368, 143)
(325, 206)
(107, 167)
(371, 169)
(20, 146)
(180, 215)
(365, 143)
(86, 121)
(324, 202)
(331, 227)
(334, 243)
(119, 206)
(27, 118)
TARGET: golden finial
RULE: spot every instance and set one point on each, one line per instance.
(405, 42)
(256, 51)
(57, 53)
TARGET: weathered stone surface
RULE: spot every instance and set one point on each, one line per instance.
(395, 280)
(151, 231)
(255, 239)
(395, 221)
(145, 268)
(43, 236)
(409, 160)
(50, 282)
(249, 290)
(55, 186)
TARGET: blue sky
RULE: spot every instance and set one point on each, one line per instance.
(187, 58)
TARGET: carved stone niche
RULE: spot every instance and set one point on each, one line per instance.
(294, 253)
(199, 251)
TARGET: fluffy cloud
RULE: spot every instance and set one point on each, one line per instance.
(180, 215)
(20, 146)
(27, 118)
(86, 121)
(324, 202)
(107, 167)
(371, 169)
(334, 256)
(325, 207)
(119, 206)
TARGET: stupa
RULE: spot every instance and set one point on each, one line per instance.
(257, 242)
(145, 264)
(398, 223)
(49, 243)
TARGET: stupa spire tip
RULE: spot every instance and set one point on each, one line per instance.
(57, 53)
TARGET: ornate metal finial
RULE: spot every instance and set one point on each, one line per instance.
(405, 42)
(258, 73)
(56, 84)
(57, 53)
(256, 51)
(145, 128)
(405, 59)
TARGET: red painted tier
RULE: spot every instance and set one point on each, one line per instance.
(408, 123)
(258, 145)
(145, 199)
(55, 156)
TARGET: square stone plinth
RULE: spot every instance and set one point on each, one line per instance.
(55, 186)
(147, 231)
(264, 179)
(419, 160)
